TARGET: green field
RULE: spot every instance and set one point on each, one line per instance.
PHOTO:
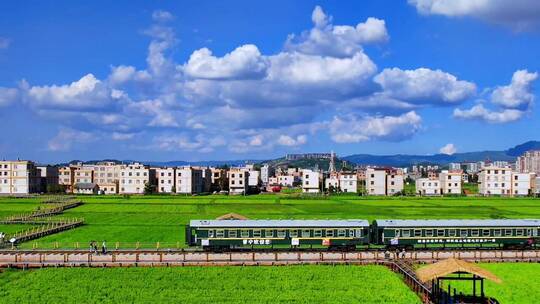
(152, 219)
(520, 283)
(263, 284)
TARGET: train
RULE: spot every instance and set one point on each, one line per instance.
(351, 234)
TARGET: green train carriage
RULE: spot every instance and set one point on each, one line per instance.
(249, 233)
(503, 233)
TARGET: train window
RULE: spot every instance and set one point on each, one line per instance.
(529, 232)
(269, 233)
(452, 232)
(475, 232)
(232, 233)
(358, 233)
(220, 233)
(396, 233)
(486, 232)
(257, 233)
(519, 232)
(329, 232)
(417, 232)
(507, 232)
(244, 233)
(341, 233)
(405, 233)
(535, 232)
(429, 232)
(210, 233)
(351, 233)
(281, 233)
(293, 233)
(497, 232)
(306, 233)
(440, 232)
(317, 233)
(463, 233)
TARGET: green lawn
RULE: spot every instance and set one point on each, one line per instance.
(520, 283)
(263, 284)
(161, 219)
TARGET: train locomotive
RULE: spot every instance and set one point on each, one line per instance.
(354, 233)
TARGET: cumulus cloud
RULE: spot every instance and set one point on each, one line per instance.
(122, 136)
(8, 96)
(66, 138)
(479, 112)
(352, 129)
(4, 43)
(286, 140)
(337, 40)
(424, 86)
(519, 14)
(245, 62)
(162, 16)
(518, 94)
(448, 149)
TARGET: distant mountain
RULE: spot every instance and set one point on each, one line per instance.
(400, 160)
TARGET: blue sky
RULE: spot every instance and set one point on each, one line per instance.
(201, 80)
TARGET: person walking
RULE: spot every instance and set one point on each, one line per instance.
(104, 247)
(403, 253)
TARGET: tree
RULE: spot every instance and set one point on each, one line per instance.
(148, 188)
(56, 189)
(173, 189)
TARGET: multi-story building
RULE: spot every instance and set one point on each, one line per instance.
(495, 181)
(454, 166)
(107, 177)
(219, 179)
(134, 177)
(536, 186)
(19, 177)
(428, 186)
(394, 181)
(376, 181)
(348, 182)
(286, 180)
(48, 176)
(451, 181)
(529, 162)
(310, 181)
(522, 183)
(66, 177)
(165, 180)
(254, 178)
(189, 180)
(84, 174)
(238, 180)
(266, 173)
(332, 181)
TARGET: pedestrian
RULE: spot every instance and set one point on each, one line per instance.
(403, 253)
(397, 253)
(95, 248)
(104, 247)
(91, 246)
(387, 255)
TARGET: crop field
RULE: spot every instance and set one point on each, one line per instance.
(520, 283)
(152, 219)
(264, 284)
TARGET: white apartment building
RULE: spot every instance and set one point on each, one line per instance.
(66, 177)
(454, 166)
(266, 173)
(107, 177)
(536, 186)
(428, 186)
(189, 180)
(254, 178)
(134, 177)
(495, 181)
(285, 180)
(310, 181)
(238, 180)
(348, 182)
(522, 183)
(529, 162)
(331, 181)
(375, 181)
(165, 178)
(450, 181)
(84, 175)
(394, 181)
(19, 177)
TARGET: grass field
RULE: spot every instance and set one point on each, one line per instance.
(520, 283)
(284, 284)
(162, 218)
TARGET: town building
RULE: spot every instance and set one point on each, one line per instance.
(134, 177)
(19, 177)
(66, 177)
(451, 181)
(428, 186)
(84, 174)
(529, 162)
(189, 180)
(86, 188)
(332, 182)
(454, 166)
(165, 180)
(348, 182)
(107, 177)
(495, 181)
(238, 180)
(254, 178)
(266, 173)
(394, 181)
(48, 177)
(310, 181)
(522, 183)
(286, 180)
(376, 181)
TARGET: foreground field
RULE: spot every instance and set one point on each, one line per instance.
(286, 284)
(153, 219)
(521, 283)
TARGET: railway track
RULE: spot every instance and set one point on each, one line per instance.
(134, 258)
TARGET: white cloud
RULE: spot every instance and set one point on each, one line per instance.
(286, 140)
(479, 112)
(256, 141)
(339, 40)
(122, 136)
(245, 62)
(4, 43)
(64, 140)
(518, 94)
(394, 128)
(424, 86)
(448, 149)
(8, 96)
(518, 14)
(162, 16)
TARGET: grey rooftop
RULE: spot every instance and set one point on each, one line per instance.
(278, 223)
(459, 223)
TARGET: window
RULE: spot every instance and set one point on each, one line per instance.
(463, 233)
(220, 233)
(269, 233)
(358, 233)
(210, 233)
(440, 232)
(396, 233)
(244, 233)
(293, 233)
(429, 232)
(232, 233)
(452, 232)
(341, 232)
(529, 232)
(417, 233)
(317, 233)
(497, 232)
(475, 232)
(507, 232)
(257, 233)
(281, 233)
(486, 232)
(406, 233)
(306, 233)
(329, 232)
(519, 232)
